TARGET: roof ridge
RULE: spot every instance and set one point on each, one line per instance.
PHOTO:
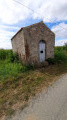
(26, 27)
(33, 24)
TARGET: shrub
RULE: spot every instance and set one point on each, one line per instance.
(60, 56)
(30, 66)
(51, 60)
(59, 48)
(64, 48)
(22, 68)
(9, 55)
(13, 57)
(2, 54)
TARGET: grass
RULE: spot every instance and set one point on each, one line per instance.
(8, 70)
(18, 82)
(10, 112)
(23, 106)
(60, 56)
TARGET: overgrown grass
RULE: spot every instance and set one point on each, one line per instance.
(60, 56)
(11, 66)
(8, 70)
(19, 82)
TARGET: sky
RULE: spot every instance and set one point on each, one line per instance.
(14, 15)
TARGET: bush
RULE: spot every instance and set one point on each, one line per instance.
(9, 55)
(60, 56)
(22, 68)
(64, 48)
(3, 54)
(13, 57)
(30, 66)
(51, 60)
(59, 48)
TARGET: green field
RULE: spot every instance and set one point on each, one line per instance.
(19, 82)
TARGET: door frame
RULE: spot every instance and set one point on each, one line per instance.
(45, 50)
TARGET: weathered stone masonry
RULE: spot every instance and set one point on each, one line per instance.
(26, 42)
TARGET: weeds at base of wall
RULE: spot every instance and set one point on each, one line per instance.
(59, 57)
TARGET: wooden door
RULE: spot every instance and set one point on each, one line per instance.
(42, 51)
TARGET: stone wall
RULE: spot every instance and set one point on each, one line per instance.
(18, 45)
(32, 35)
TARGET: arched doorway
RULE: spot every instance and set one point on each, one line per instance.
(42, 51)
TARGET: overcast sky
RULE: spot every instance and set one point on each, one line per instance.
(13, 16)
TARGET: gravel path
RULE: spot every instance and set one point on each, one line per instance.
(49, 105)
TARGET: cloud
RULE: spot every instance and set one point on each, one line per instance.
(11, 12)
(8, 27)
(52, 10)
(5, 45)
(49, 10)
(60, 30)
(6, 32)
(60, 42)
